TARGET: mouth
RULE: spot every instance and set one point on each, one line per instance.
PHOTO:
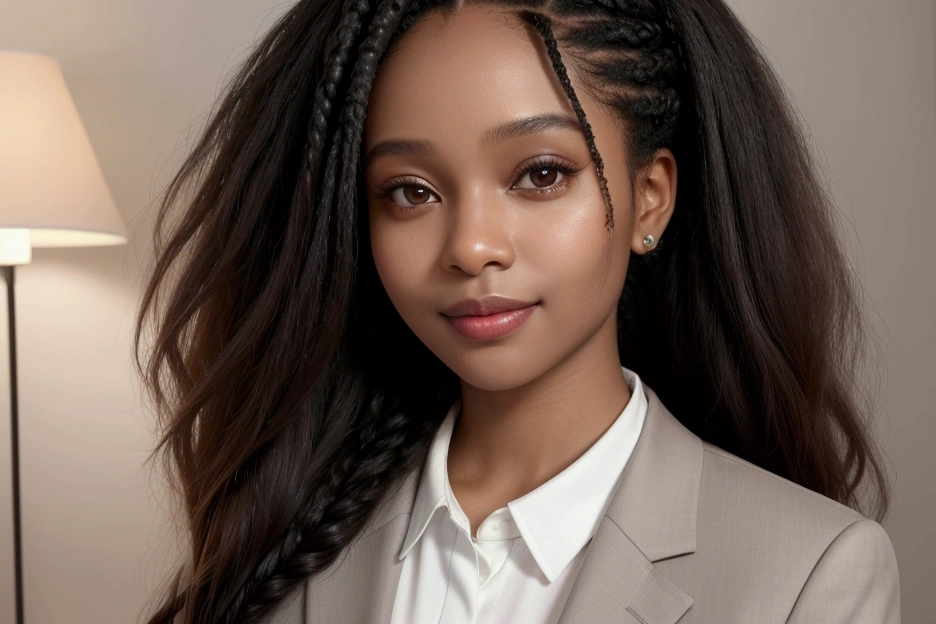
(489, 318)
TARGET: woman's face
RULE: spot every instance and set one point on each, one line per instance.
(481, 183)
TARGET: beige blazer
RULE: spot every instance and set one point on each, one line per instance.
(693, 534)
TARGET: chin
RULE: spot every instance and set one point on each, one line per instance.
(494, 373)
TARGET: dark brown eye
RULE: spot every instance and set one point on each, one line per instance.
(544, 176)
(410, 195)
(416, 194)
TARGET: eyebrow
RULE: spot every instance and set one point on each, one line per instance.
(504, 132)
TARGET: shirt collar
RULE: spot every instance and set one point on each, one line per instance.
(559, 517)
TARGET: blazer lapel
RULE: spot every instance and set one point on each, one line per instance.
(651, 516)
(360, 586)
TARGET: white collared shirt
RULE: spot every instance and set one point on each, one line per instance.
(521, 567)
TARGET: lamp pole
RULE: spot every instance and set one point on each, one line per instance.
(14, 447)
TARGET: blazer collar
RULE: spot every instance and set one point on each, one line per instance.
(651, 516)
(657, 500)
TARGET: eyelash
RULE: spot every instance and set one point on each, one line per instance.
(547, 162)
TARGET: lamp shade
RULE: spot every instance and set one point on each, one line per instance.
(51, 184)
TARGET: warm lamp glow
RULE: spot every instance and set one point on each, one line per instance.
(50, 181)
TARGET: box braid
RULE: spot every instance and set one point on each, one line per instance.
(628, 49)
(544, 27)
(632, 61)
(337, 506)
(337, 53)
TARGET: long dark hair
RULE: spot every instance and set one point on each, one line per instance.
(290, 394)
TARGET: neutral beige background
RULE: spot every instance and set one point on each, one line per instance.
(863, 73)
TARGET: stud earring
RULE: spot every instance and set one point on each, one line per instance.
(648, 240)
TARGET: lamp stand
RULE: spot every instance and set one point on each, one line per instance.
(14, 443)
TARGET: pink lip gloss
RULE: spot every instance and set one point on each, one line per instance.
(492, 326)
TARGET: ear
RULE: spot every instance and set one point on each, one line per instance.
(654, 199)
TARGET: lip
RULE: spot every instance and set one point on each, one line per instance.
(486, 306)
(489, 318)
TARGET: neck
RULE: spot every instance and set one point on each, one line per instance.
(512, 441)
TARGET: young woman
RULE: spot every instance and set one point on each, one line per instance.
(441, 342)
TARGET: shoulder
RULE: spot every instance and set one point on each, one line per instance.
(732, 485)
(768, 533)
(745, 504)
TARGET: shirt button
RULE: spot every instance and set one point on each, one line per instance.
(496, 527)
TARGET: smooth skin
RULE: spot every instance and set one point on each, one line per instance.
(457, 210)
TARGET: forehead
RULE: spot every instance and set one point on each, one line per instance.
(456, 76)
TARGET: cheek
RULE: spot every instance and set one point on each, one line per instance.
(387, 261)
(398, 263)
(570, 252)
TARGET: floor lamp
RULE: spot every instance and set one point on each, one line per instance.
(52, 194)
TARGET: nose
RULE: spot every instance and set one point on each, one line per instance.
(479, 234)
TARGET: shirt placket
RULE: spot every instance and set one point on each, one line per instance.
(493, 555)
(463, 594)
